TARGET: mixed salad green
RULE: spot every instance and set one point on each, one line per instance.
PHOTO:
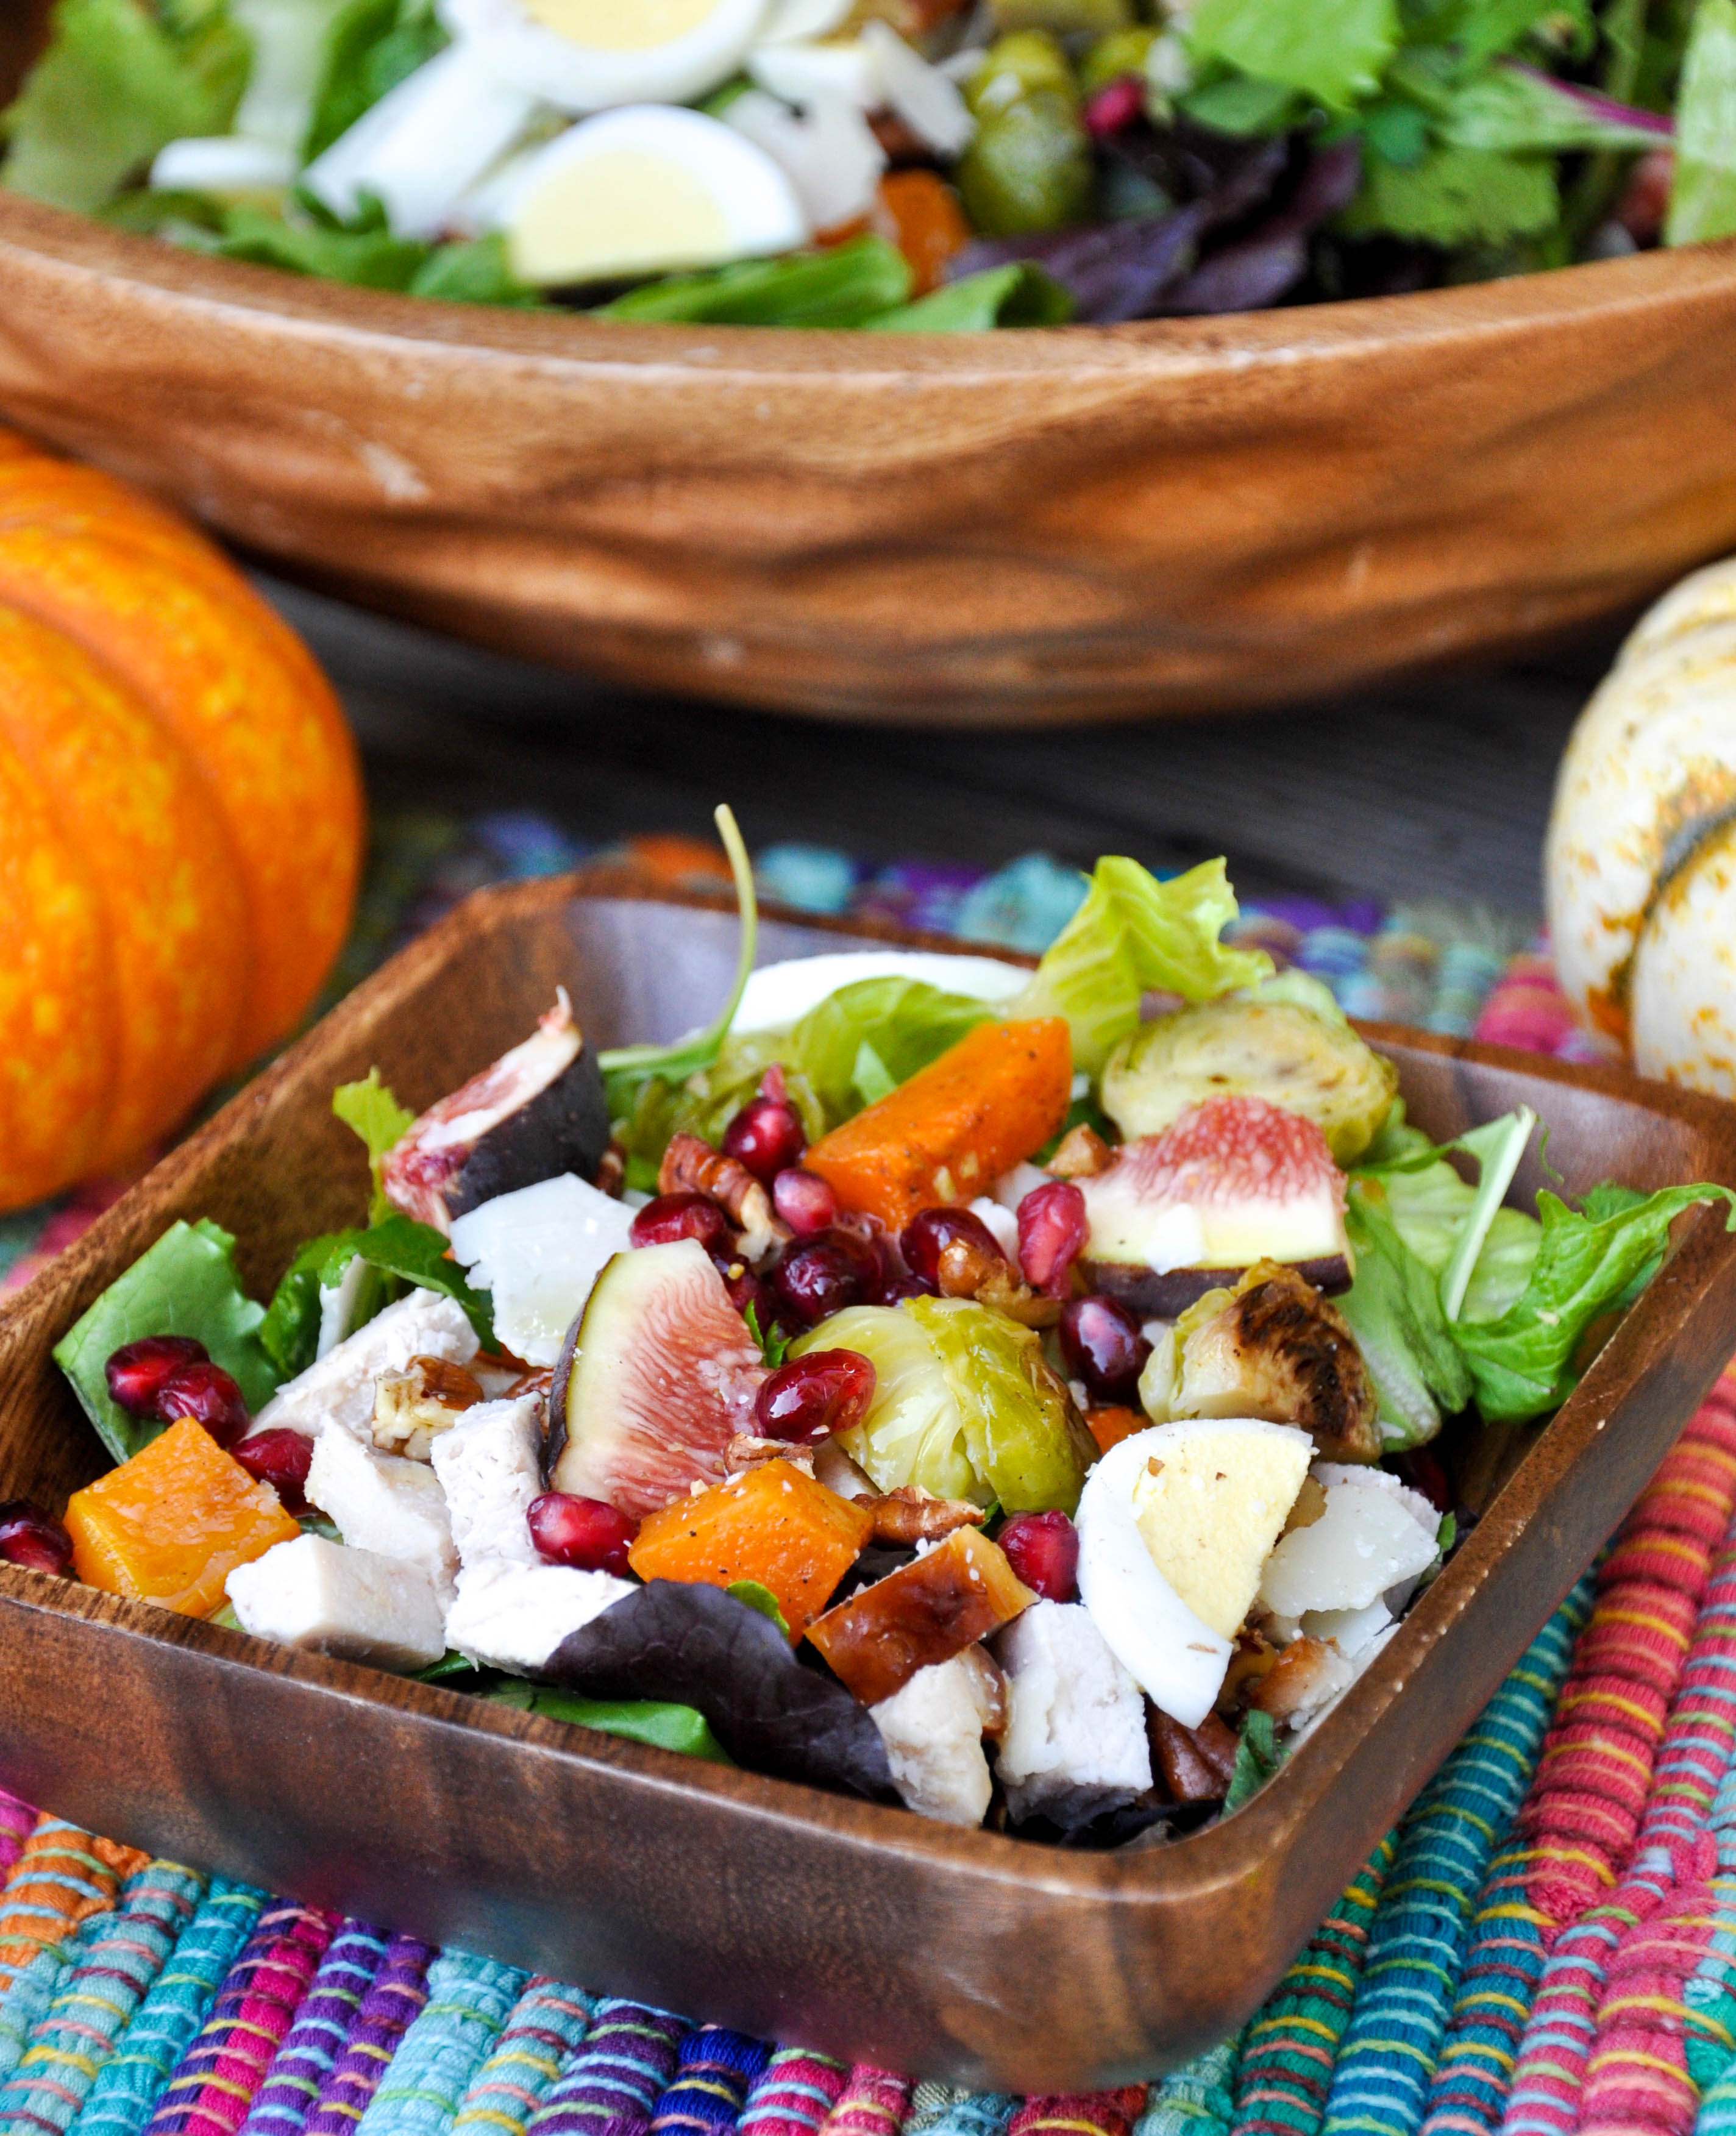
(922, 165)
(1033, 1396)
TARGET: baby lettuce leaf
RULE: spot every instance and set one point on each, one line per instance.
(1455, 195)
(472, 271)
(845, 286)
(185, 1284)
(1258, 1756)
(417, 1255)
(666, 1726)
(370, 47)
(1441, 1216)
(1394, 1308)
(1134, 935)
(1520, 1364)
(366, 254)
(370, 1108)
(1334, 53)
(696, 1646)
(290, 1330)
(120, 80)
(1019, 294)
(1703, 195)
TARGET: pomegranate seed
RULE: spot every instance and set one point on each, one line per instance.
(136, 1370)
(1043, 1549)
(582, 1532)
(804, 1201)
(1053, 1227)
(1115, 107)
(815, 1397)
(930, 1231)
(1423, 1469)
(672, 1216)
(1101, 1341)
(31, 1537)
(282, 1458)
(208, 1395)
(766, 1136)
(824, 1274)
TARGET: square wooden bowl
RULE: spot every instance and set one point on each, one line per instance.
(791, 1914)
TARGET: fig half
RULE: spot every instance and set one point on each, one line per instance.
(537, 1111)
(657, 1375)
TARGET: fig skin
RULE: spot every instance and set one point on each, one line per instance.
(1149, 1295)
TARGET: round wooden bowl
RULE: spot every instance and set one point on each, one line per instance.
(999, 529)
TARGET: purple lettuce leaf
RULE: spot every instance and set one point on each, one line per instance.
(1255, 271)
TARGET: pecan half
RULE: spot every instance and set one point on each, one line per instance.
(744, 1452)
(612, 1169)
(912, 1515)
(411, 1408)
(1195, 1762)
(1081, 1154)
(966, 1269)
(692, 1167)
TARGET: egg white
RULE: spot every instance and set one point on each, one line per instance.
(584, 55)
(647, 189)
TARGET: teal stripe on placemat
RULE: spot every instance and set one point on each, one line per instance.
(126, 2089)
(948, 2109)
(1195, 2100)
(99, 1994)
(469, 2000)
(33, 1988)
(545, 2028)
(1387, 2060)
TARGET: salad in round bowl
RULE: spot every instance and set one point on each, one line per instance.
(860, 512)
(934, 1381)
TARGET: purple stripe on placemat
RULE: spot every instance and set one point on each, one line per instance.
(616, 2078)
(713, 2073)
(399, 1990)
(320, 2031)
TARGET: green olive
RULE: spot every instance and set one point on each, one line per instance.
(1112, 58)
(1028, 168)
(1018, 66)
(1067, 18)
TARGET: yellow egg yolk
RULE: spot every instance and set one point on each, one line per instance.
(620, 26)
(621, 212)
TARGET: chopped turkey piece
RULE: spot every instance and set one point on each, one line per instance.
(339, 1389)
(354, 1604)
(1075, 1720)
(378, 1502)
(514, 1616)
(488, 1465)
(933, 1730)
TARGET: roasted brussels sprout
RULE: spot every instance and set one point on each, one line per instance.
(1274, 1347)
(1294, 1057)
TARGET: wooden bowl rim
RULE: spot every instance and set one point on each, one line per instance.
(1215, 1858)
(155, 273)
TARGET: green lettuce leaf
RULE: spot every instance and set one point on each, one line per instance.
(847, 286)
(364, 254)
(1520, 1364)
(1134, 935)
(290, 1330)
(1336, 53)
(117, 83)
(1020, 295)
(371, 1109)
(1514, 109)
(185, 1284)
(472, 271)
(1456, 196)
(1394, 1308)
(761, 1599)
(1444, 1220)
(655, 1721)
(1703, 195)
(1259, 1755)
(415, 1254)
(370, 47)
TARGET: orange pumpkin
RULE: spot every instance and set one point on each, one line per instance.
(180, 823)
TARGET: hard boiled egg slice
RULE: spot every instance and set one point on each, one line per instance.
(587, 54)
(646, 190)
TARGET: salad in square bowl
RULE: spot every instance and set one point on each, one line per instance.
(1032, 1397)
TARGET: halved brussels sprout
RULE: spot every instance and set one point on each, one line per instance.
(1293, 1056)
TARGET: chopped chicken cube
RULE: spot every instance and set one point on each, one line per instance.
(514, 1616)
(932, 1730)
(339, 1389)
(488, 1465)
(380, 1502)
(1075, 1725)
(351, 1603)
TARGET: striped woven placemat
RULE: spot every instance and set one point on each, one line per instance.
(1546, 1943)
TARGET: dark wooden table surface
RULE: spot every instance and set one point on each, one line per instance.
(1423, 789)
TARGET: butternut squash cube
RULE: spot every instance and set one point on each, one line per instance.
(924, 1613)
(775, 1525)
(172, 1523)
